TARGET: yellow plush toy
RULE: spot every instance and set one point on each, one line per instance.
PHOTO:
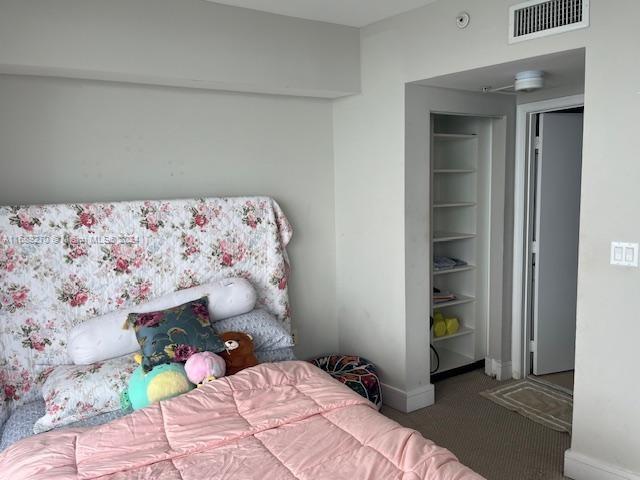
(439, 325)
(162, 382)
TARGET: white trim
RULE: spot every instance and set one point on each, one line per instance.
(407, 401)
(499, 370)
(136, 79)
(583, 467)
(520, 351)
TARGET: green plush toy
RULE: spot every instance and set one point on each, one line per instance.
(125, 403)
(162, 382)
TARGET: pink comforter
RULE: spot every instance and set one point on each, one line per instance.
(275, 421)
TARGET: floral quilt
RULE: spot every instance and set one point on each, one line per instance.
(63, 264)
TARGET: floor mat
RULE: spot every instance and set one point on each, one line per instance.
(540, 402)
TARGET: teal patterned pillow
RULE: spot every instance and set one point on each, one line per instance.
(174, 334)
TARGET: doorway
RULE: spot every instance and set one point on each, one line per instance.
(550, 148)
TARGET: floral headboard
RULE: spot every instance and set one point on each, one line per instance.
(63, 264)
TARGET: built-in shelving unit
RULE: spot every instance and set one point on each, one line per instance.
(455, 136)
(465, 268)
(453, 170)
(460, 169)
(451, 236)
(460, 300)
(463, 331)
(450, 359)
(454, 204)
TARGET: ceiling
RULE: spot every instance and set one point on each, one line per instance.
(562, 69)
(355, 13)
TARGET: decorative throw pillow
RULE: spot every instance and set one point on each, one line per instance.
(174, 334)
(77, 392)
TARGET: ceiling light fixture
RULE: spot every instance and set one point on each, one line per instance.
(527, 81)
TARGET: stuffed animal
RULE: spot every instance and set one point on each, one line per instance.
(125, 403)
(239, 351)
(162, 382)
(204, 367)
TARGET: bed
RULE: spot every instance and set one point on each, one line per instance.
(62, 265)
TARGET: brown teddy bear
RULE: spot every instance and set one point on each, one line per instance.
(239, 351)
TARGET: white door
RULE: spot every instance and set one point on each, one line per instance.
(556, 242)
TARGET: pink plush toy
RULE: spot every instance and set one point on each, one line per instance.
(204, 366)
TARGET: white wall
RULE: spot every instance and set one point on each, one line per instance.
(369, 143)
(78, 141)
(63, 140)
(547, 94)
(178, 42)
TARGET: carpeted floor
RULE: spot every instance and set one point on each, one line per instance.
(493, 441)
(562, 379)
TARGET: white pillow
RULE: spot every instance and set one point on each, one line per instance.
(103, 337)
(267, 331)
(73, 392)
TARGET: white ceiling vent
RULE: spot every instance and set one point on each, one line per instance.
(539, 18)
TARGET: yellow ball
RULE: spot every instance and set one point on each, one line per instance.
(439, 328)
(453, 325)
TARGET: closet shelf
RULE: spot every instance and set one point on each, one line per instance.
(464, 268)
(451, 236)
(454, 136)
(460, 209)
(460, 333)
(454, 170)
(460, 300)
(454, 204)
(450, 360)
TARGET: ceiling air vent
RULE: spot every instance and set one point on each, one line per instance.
(539, 18)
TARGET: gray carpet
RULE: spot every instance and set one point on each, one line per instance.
(562, 379)
(493, 441)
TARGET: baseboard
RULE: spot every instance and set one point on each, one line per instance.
(407, 401)
(500, 370)
(582, 467)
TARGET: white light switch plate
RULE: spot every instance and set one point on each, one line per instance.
(624, 253)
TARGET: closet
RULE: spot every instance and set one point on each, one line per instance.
(460, 210)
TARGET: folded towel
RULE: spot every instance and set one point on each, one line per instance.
(446, 263)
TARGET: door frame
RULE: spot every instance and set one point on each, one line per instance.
(520, 348)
